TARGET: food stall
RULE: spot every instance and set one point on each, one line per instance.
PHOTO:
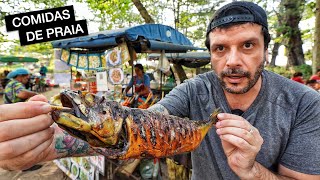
(104, 53)
(188, 59)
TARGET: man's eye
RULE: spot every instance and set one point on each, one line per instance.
(219, 48)
(248, 45)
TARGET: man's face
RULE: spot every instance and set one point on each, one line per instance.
(25, 79)
(238, 56)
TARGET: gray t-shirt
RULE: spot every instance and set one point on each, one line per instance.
(286, 113)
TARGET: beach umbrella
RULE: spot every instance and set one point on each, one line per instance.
(10, 59)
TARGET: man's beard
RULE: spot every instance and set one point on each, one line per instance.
(246, 74)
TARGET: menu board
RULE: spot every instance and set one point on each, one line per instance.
(82, 168)
(116, 75)
(77, 168)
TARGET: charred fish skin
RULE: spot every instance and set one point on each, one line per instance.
(121, 133)
(153, 134)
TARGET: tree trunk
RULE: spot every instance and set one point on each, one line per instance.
(292, 15)
(143, 11)
(275, 51)
(180, 72)
(316, 47)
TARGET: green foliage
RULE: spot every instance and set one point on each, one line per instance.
(305, 69)
(283, 71)
(288, 72)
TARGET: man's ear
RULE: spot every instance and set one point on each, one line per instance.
(267, 55)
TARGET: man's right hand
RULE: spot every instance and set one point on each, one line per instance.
(25, 133)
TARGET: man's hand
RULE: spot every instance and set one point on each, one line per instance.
(241, 143)
(25, 133)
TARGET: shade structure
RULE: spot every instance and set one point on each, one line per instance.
(189, 59)
(143, 38)
(9, 59)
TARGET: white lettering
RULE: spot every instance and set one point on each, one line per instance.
(66, 14)
(79, 28)
(47, 18)
(67, 30)
(36, 20)
(23, 20)
(14, 24)
(58, 31)
(28, 37)
(43, 18)
(58, 16)
(38, 34)
(50, 31)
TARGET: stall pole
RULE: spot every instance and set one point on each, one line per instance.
(132, 56)
(70, 78)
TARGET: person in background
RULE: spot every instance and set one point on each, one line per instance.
(15, 91)
(298, 77)
(43, 70)
(316, 76)
(140, 81)
(268, 127)
(313, 84)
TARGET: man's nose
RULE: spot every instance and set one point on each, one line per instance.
(233, 58)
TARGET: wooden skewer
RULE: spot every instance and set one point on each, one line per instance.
(60, 108)
(153, 101)
(148, 98)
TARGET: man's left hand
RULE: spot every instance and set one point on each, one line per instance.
(241, 143)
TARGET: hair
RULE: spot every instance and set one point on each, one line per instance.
(311, 81)
(265, 32)
(139, 66)
(296, 74)
(318, 70)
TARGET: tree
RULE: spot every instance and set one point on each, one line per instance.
(316, 46)
(292, 11)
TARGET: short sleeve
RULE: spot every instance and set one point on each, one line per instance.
(18, 87)
(302, 153)
(177, 101)
(147, 80)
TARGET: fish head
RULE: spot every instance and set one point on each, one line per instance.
(91, 118)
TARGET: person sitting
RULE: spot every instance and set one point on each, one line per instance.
(297, 76)
(15, 90)
(313, 84)
(140, 81)
(316, 76)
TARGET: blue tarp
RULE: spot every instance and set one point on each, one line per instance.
(189, 59)
(143, 38)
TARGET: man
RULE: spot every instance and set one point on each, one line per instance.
(15, 90)
(271, 125)
(43, 70)
(270, 128)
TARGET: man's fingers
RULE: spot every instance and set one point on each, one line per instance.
(39, 97)
(234, 123)
(16, 147)
(238, 132)
(23, 110)
(236, 141)
(224, 116)
(22, 127)
(27, 159)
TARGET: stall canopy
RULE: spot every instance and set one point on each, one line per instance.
(143, 38)
(189, 59)
(10, 59)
